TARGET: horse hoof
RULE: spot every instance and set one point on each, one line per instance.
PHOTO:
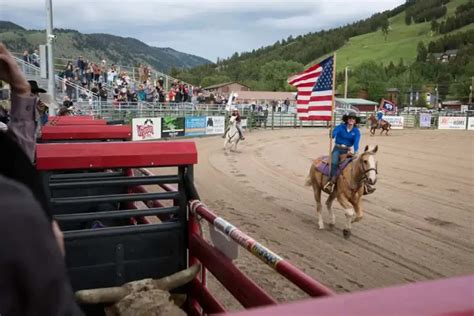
(331, 226)
(346, 233)
(356, 219)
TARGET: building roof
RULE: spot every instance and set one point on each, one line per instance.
(452, 102)
(265, 95)
(215, 86)
(392, 90)
(452, 51)
(355, 101)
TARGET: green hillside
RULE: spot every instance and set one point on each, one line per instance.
(70, 44)
(402, 41)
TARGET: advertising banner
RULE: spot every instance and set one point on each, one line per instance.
(452, 122)
(172, 126)
(470, 123)
(396, 121)
(146, 128)
(215, 125)
(195, 126)
(425, 120)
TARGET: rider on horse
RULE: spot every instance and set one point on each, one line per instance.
(346, 135)
(236, 113)
(379, 118)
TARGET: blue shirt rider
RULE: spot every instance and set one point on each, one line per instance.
(379, 117)
(346, 135)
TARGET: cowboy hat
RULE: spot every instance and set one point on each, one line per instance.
(351, 114)
(35, 88)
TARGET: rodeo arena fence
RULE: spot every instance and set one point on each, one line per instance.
(123, 221)
(188, 119)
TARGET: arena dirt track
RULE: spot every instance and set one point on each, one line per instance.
(418, 225)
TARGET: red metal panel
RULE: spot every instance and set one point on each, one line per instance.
(114, 155)
(286, 269)
(247, 292)
(442, 297)
(206, 300)
(61, 132)
(77, 121)
(70, 118)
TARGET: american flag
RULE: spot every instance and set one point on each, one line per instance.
(315, 95)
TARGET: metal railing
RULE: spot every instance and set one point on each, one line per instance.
(63, 87)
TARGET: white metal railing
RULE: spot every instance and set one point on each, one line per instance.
(35, 73)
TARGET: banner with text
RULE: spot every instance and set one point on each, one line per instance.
(146, 128)
(395, 121)
(451, 122)
(172, 126)
(195, 126)
(425, 120)
(470, 123)
(215, 125)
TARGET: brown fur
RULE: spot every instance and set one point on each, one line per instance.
(349, 190)
(384, 126)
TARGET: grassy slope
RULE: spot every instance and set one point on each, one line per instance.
(401, 42)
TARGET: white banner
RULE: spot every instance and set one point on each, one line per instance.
(146, 128)
(425, 120)
(470, 123)
(395, 121)
(215, 125)
(451, 122)
(243, 123)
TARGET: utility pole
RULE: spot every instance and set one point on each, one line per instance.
(49, 44)
(470, 90)
(345, 83)
(437, 96)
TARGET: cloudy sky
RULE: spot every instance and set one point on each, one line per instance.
(207, 28)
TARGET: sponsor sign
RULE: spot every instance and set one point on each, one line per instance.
(172, 126)
(470, 123)
(146, 128)
(425, 120)
(243, 123)
(195, 125)
(451, 122)
(395, 121)
(215, 125)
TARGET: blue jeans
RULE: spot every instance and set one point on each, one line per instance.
(336, 152)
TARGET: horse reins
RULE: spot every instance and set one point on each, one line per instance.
(364, 178)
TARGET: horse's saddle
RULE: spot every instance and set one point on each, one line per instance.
(322, 165)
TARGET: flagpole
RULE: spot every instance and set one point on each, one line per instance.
(332, 112)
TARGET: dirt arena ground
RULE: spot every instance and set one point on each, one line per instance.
(418, 225)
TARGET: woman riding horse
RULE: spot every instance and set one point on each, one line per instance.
(346, 135)
(236, 113)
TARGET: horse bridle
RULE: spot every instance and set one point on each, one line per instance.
(365, 171)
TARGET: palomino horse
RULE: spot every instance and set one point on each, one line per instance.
(232, 137)
(374, 125)
(349, 187)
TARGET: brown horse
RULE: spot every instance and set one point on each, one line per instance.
(374, 125)
(349, 188)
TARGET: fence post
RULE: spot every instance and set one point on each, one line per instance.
(273, 119)
(294, 121)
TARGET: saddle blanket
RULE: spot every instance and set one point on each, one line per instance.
(323, 166)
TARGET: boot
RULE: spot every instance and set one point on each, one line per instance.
(330, 185)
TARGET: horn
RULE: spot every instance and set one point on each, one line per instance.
(178, 279)
(104, 295)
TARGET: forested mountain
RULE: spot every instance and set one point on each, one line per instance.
(391, 49)
(115, 49)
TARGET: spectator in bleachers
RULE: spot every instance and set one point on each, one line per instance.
(26, 56)
(35, 59)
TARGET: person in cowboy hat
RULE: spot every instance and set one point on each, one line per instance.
(235, 112)
(346, 135)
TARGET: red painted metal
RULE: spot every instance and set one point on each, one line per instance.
(70, 118)
(65, 132)
(246, 291)
(205, 299)
(77, 121)
(445, 297)
(114, 155)
(283, 267)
